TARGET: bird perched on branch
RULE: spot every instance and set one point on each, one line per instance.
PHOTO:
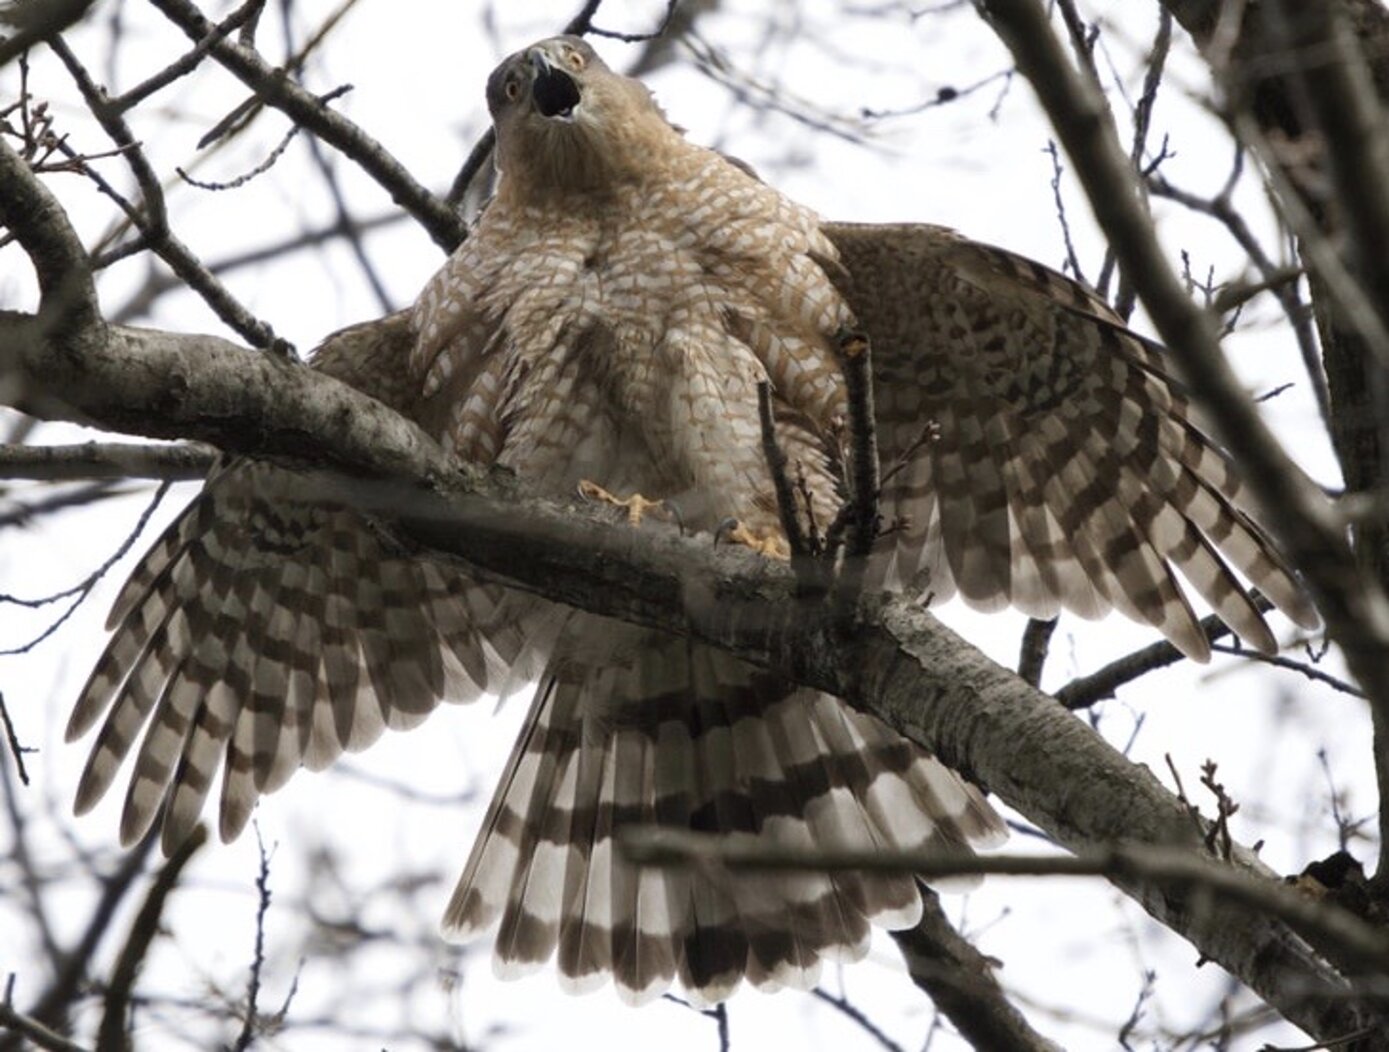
(607, 325)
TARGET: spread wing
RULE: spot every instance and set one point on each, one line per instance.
(1036, 452)
(264, 631)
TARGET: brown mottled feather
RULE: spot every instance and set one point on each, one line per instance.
(1064, 473)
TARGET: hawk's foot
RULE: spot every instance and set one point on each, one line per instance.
(637, 506)
(767, 540)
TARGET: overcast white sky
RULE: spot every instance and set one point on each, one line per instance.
(979, 165)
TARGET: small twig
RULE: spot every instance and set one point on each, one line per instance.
(579, 24)
(434, 214)
(585, 23)
(1218, 839)
(930, 432)
(83, 588)
(944, 96)
(857, 1015)
(1274, 392)
(1145, 993)
(856, 361)
(1125, 296)
(181, 67)
(1101, 684)
(271, 158)
(814, 541)
(25, 513)
(719, 1013)
(1345, 827)
(1278, 661)
(1193, 812)
(247, 110)
(42, 1036)
(16, 749)
(1280, 281)
(1033, 656)
(248, 1025)
(781, 482)
(1072, 259)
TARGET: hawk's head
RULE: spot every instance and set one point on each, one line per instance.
(565, 120)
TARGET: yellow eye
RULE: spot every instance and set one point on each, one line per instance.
(575, 60)
(513, 90)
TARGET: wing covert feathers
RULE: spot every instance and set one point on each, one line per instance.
(1062, 470)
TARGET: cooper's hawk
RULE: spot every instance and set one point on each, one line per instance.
(609, 320)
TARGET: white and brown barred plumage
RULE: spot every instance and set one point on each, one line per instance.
(609, 319)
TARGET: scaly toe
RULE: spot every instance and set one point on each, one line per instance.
(766, 542)
(637, 506)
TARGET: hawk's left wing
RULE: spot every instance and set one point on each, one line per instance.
(1036, 452)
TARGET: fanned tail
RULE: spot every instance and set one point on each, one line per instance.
(630, 728)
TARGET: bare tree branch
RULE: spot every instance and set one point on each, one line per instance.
(106, 460)
(960, 980)
(1362, 946)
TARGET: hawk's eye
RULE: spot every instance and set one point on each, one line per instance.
(512, 89)
(574, 59)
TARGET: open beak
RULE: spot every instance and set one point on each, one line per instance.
(554, 91)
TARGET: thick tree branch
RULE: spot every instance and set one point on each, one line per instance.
(960, 980)
(67, 364)
(106, 460)
(33, 22)
(39, 224)
(169, 385)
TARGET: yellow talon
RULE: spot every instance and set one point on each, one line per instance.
(637, 506)
(767, 541)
